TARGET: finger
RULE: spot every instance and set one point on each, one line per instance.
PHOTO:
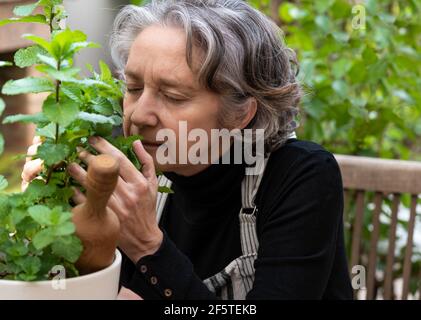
(78, 196)
(148, 166)
(77, 173)
(85, 156)
(32, 151)
(36, 140)
(31, 170)
(128, 171)
(24, 185)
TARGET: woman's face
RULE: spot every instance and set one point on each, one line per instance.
(162, 91)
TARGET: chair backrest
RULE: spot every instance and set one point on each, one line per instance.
(386, 181)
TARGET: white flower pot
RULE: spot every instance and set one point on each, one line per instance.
(100, 285)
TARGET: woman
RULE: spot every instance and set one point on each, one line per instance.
(223, 233)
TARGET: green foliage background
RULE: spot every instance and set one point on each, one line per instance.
(362, 90)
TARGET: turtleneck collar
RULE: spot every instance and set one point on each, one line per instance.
(209, 186)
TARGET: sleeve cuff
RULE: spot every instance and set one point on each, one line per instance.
(165, 274)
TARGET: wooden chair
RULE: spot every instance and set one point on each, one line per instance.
(384, 179)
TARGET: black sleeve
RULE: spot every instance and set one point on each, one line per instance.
(299, 229)
(167, 274)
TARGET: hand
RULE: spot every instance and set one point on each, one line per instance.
(134, 198)
(32, 168)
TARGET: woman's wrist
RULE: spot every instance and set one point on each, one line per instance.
(147, 247)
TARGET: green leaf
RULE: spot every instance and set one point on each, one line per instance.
(52, 153)
(94, 118)
(27, 57)
(38, 18)
(18, 215)
(72, 92)
(3, 183)
(37, 190)
(40, 41)
(5, 64)
(69, 248)
(26, 118)
(2, 106)
(65, 229)
(66, 74)
(64, 42)
(1, 143)
(25, 10)
(43, 238)
(341, 67)
(27, 85)
(91, 83)
(41, 214)
(164, 189)
(50, 61)
(49, 131)
(29, 264)
(17, 250)
(63, 112)
(106, 74)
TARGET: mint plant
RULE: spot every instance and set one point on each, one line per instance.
(36, 230)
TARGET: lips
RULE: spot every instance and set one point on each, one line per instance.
(147, 143)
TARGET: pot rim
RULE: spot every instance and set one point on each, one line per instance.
(116, 262)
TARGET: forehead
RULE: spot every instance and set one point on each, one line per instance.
(159, 50)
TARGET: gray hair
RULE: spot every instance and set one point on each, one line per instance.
(244, 57)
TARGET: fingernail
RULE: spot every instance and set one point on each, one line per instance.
(93, 140)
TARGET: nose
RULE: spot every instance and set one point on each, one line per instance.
(145, 111)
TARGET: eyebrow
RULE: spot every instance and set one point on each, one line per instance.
(163, 81)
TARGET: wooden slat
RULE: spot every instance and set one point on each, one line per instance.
(372, 259)
(357, 229)
(372, 174)
(388, 283)
(408, 251)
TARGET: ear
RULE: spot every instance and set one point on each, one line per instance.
(251, 112)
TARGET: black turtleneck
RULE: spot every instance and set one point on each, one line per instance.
(299, 226)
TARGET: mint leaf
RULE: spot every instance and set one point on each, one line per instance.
(63, 112)
(94, 118)
(18, 249)
(38, 190)
(52, 153)
(27, 57)
(25, 10)
(3, 183)
(67, 74)
(47, 60)
(68, 248)
(1, 144)
(29, 264)
(26, 118)
(38, 18)
(45, 44)
(65, 229)
(2, 106)
(72, 92)
(164, 189)
(43, 238)
(49, 131)
(5, 64)
(41, 214)
(27, 85)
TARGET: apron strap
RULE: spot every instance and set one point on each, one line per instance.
(161, 198)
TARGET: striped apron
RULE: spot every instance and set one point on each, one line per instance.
(236, 279)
